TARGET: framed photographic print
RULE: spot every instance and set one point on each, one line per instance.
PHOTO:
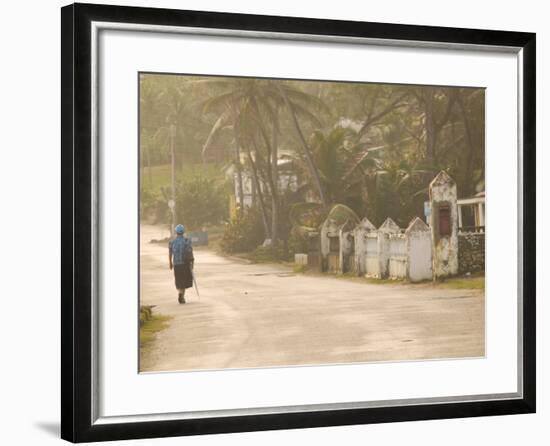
(279, 222)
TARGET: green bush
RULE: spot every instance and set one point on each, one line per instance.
(243, 233)
(201, 200)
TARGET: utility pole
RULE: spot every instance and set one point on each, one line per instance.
(172, 202)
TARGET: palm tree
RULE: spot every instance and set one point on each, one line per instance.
(243, 106)
(297, 103)
(175, 104)
(252, 108)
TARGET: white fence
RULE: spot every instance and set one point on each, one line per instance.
(384, 252)
(420, 252)
(372, 262)
(398, 258)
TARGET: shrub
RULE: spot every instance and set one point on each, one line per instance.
(201, 200)
(145, 313)
(243, 233)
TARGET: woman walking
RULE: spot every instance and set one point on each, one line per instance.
(180, 256)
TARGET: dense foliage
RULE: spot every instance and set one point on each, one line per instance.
(372, 148)
(243, 233)
(201, 201)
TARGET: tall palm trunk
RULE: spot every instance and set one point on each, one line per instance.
(149, 168)
(275, 179)
(259, 192)
(238, 167)
(271, 175)
(314, 172)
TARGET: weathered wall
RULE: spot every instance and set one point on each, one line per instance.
(443, 193)
(471, 252)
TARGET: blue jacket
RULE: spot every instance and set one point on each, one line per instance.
(180, 250)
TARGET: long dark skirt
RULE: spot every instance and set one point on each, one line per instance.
(183, 276)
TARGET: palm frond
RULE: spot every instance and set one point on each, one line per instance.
(341, 213)
(218, 125)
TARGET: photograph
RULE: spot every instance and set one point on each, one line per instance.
(307, 222)
(267, 223)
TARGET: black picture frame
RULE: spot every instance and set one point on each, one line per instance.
(76, 231)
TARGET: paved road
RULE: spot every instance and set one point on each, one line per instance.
(264, 315)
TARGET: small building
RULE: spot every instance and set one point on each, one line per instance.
(286, 175)
(471, 234)
(471, 213)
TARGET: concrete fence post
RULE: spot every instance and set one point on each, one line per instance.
(444, 225)
(384, 231)
(360, 241)
(419, 251)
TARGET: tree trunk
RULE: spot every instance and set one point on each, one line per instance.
(149, 168)
(254, 194)
(271, 163)
(309, 157)
(173, 174)
(275, 180)
(259, 193)
(238, 167)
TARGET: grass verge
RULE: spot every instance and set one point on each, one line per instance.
(150, 324)
(458, 283)
(464, 283)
